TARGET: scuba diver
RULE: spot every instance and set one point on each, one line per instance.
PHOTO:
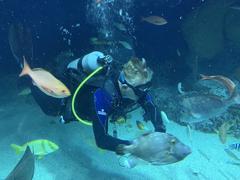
(108, 94)
(103, 91)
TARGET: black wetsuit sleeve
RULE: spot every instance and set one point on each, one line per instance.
(152, 113)
(104, 140)
(103, 107)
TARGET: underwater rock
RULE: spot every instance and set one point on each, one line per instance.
(203, 29)
(170, 103)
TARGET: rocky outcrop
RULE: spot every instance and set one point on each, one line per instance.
(203, 29)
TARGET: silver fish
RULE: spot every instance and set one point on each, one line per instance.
(156, 148)
(24, 170)
(196, 107)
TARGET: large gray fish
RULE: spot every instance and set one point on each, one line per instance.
(196, 107)
(24, 170)
(156, 148)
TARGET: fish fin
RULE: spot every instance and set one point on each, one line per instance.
(38, 69)
(26, 69)
(196, 115)
(146, 133)
(203, 77)
(18, 149)
(216, 131)
(34, 83)
(128, 161)
(164, 117)
(40, 156)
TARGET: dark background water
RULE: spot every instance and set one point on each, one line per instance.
(46, 17)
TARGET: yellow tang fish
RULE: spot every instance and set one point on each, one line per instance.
(39, 147)
(45, 81)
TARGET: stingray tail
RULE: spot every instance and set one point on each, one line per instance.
(20, 41)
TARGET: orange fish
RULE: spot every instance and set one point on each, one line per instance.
(156, 20)
(45, 81)
(230, 85)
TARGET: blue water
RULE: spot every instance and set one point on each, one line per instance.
(46, 17)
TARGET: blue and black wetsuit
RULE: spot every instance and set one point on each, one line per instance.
(106, 100)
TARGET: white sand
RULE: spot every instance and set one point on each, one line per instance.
(21, 120)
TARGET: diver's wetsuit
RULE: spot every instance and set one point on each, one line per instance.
(96, 101)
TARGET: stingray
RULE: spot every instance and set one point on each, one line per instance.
(24, 170)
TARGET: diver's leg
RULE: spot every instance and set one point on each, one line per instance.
(66, 114)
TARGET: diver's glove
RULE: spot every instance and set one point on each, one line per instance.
(120, 150)
(151, 113)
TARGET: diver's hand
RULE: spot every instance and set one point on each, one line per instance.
(160, 128)
(64, 120)
(120, 150)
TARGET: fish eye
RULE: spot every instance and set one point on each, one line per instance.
(182, 111)
(173, 141)
(63, 91)
(124, 86)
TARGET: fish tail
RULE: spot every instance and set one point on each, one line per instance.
(18, 149)
(26, 68)
(203, 77)
(127, 162)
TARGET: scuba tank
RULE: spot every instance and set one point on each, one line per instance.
(90, 62)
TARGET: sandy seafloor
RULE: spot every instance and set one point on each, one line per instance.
(21, 120)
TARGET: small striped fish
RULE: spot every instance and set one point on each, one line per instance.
(39, 147)
(235, 146)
